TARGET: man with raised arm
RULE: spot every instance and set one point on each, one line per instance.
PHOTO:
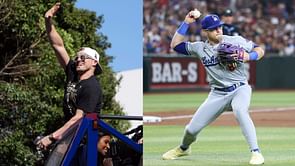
(82, 92)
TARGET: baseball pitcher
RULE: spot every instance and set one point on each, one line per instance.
(224, 59)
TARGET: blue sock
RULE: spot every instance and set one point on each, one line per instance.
(182, 148)
(255, 150)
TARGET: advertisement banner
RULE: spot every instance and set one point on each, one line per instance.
(181, 73)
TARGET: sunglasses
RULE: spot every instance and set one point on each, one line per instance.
(82, 57)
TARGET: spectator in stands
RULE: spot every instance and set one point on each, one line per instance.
(228, 27)
(268, 22)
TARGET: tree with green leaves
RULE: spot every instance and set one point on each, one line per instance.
(31, 86)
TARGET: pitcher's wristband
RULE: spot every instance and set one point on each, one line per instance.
(253, 56)
(183, 28)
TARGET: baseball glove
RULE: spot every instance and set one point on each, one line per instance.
(230, 55)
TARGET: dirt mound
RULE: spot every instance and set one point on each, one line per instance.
(261, 117)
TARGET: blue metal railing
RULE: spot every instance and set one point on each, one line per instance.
(89, 125)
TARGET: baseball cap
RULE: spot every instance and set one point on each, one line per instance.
(210, 22)
(93, 55)
(228, 12)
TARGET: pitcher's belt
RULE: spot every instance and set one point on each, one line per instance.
(230, 88)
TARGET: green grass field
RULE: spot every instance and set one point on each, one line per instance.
(179, 101)
(218, 146)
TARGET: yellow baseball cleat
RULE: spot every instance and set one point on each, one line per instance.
(175, 153)
(256, 159)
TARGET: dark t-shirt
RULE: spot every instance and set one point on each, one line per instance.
(230, 30)
(85, 94)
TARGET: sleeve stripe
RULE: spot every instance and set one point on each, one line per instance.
(181, 48)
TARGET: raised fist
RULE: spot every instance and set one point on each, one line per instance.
(51, 12)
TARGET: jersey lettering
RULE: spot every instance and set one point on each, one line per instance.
(212, 61)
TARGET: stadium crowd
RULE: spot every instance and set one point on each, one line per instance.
(270, 23)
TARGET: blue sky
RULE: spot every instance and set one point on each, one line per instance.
(123, 27)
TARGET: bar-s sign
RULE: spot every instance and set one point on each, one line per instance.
(175, 71)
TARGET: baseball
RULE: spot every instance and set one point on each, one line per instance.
(196, 13)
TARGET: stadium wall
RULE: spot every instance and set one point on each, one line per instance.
(178, 73)
(275, 73)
